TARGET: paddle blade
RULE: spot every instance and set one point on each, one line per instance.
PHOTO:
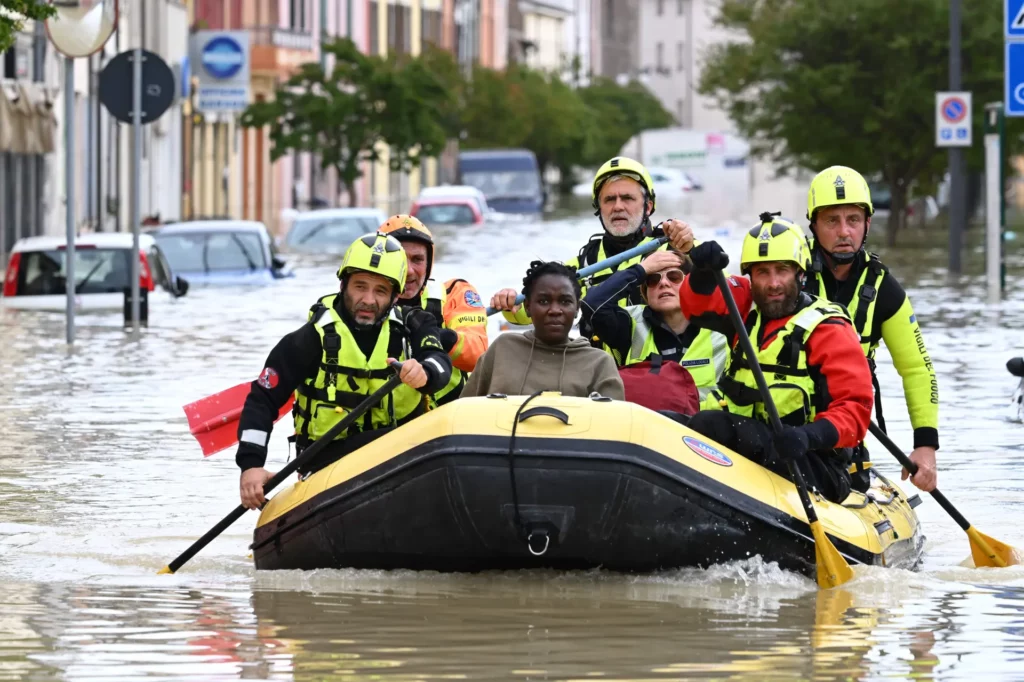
(166, 570)
(213, 420)
(832, 567)
(990, 552)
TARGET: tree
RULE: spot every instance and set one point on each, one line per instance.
(620, 113)
(343, 114)
(813, 83)
(494, 110)
(561, 125)
(13, 14)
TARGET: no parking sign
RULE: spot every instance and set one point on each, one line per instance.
(952, 119)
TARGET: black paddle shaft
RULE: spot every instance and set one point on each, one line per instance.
(278, 478)
(884, 439)
(743, 339)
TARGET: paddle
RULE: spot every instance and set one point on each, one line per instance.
(213, 420)
(641, 250)
(304, 457)
(832, 567)
(985, 551)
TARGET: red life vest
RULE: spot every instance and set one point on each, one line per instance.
(661, 386)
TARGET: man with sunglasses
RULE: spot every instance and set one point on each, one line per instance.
(657, 330)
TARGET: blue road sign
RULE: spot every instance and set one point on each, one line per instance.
(1014, 74)
(223, 57)
(1013, 21)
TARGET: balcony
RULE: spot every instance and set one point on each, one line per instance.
(278, 50)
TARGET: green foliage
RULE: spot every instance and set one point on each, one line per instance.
(620, 113)
(342, 114)
(415, 105)
(852, 82)
(13, 14)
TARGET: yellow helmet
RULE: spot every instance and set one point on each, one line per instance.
(838, 185)
(379, 254)
(775, 239)
(621, 165)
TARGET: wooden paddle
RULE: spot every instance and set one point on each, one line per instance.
(985, 551)
(305, 456)
(832, 567)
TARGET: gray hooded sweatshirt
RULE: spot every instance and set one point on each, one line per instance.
(521, 364)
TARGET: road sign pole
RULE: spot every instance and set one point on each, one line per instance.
(1002, 201)
(957, 184)
(69, 196)
(993, 201)
(136, 211)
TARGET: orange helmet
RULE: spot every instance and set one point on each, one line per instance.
(406, 228)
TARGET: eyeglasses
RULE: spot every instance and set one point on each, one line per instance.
(674, 276)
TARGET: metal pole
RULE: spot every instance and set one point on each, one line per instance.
(69, 195)
(136, 216)
(957, 170)
(1002, 200)
(993, 228)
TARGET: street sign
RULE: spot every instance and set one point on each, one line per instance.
(1013, 19)
(157, 86)
(220, 62)
(1013, 71)
(952, 119)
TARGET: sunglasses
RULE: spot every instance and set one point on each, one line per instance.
(674, 276)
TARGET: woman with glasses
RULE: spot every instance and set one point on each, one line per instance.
(645, 339)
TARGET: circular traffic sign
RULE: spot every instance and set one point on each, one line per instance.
(157, 86)
(223, 57)
(954, 109)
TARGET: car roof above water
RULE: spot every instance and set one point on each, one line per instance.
(99, 240)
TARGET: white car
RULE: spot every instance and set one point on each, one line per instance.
(35, 275)
(669, 183)
(455, 192)
(331, 230)
(221, 252)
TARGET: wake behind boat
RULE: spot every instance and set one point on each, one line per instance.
(566, 483)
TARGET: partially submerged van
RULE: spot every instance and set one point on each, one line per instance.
(509, 178)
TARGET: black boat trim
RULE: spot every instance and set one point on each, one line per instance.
(537, 448)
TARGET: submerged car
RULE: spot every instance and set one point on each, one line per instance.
(36, 275)
(216, 252)
(451, 211)
(331, 230)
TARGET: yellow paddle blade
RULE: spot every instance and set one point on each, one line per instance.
(832, 567)
(165, 570)
(990, 552)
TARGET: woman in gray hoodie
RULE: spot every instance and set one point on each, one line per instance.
(546, 359)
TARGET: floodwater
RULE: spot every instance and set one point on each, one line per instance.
(101, 485)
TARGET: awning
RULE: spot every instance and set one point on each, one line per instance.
(27, 122)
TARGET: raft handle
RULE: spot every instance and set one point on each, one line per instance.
(529, 542)
(546, 411)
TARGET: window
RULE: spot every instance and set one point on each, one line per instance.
(431, 28)
(679, 7)
(374, 47)
(661, 7)
(299, 18)
(679, 56)
(659, 52)
(609, 18)
(679, 111)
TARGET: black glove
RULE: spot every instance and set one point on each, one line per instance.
(791, 443)
(415, 318)
(709, 256)
(448, 339)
